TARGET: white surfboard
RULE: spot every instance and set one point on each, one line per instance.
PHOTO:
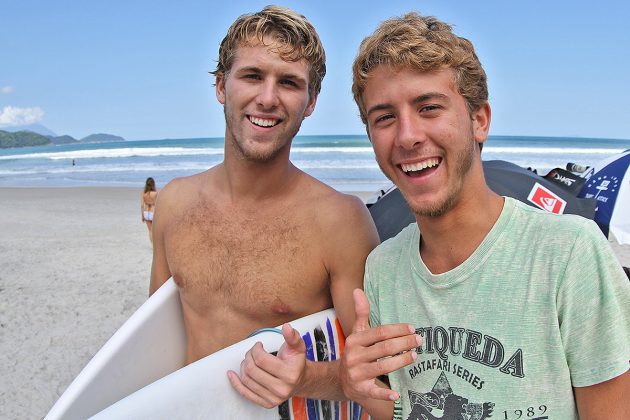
(150, 345)
(123, 378)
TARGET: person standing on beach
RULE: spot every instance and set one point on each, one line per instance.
(520, 313)
(147, 204)
(255, 242)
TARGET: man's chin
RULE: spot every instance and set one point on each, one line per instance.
(429, 206)
(261, 155)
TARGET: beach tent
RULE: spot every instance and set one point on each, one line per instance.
(506, 178)
(610, 186)
(391, 213)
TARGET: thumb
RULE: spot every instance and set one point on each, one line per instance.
(293, 342)
(362, 311)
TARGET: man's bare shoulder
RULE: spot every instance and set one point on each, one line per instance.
(333, 206)
(182, 190)
(322, 195)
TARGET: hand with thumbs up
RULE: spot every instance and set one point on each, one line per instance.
(372, 352)
(269, 380)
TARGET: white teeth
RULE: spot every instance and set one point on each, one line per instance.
(262, 122)
(411, 167)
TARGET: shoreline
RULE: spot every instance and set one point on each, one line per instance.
(75, 264)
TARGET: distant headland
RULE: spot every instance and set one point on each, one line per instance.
(35, 136)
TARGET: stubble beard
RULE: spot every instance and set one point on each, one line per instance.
(464, 161)
(276, 147)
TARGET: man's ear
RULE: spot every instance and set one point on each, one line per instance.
(219, 86)
(481, 122)
(310, 107)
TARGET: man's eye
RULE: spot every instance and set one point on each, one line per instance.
(252, 76)
(382, 118)
(289, 83)
(429, 108)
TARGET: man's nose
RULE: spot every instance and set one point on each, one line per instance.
(268, 95)
(411, 131)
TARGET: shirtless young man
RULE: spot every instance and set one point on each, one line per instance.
(518, 313)
(255, 242)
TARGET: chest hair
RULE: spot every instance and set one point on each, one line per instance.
(247, 260)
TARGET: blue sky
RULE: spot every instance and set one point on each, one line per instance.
(139, 68)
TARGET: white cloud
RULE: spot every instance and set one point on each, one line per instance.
(11, 115)
(6, 89)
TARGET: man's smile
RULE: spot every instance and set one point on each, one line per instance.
(417, 168)
(263, 122)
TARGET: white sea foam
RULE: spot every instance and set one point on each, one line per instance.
(174, 167)
(118, 153)
(341, 162)
(165, 151)
(550, 150)
(336, 164)
(299, 149)
(208, 151)
(148, 167)
(182, 151)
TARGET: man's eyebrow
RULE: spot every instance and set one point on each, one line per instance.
(248, 69)
(431, 96)
(419, 99)
(295, 77)
(378, 107)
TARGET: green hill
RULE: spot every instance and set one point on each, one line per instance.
(63, 139)
(101, 138)
(22, 139)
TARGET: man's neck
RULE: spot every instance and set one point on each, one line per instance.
(447, 241)
(247, 181)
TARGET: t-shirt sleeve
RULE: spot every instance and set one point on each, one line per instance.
(370, 290)
(594, 310)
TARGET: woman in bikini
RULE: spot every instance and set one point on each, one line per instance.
(147, 204)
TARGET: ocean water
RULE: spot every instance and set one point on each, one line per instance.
(345, 162)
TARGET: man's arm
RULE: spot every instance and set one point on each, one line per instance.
(160, 271)
(268, 380)
(610, 399)
(355, 238)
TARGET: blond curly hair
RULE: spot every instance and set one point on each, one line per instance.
(294, 38)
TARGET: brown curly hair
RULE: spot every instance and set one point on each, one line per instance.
(425, 44)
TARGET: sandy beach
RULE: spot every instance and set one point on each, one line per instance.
(74, 265)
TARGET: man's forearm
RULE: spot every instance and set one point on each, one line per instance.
(321, 382)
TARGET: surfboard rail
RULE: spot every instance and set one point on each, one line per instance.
(130, 359)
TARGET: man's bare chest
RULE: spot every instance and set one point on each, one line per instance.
(247, 263)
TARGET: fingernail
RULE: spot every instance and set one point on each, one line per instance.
(393, 397)
(418, 339)
(414, 355)
(411, 328)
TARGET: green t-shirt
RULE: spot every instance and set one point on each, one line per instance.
(540, 307)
